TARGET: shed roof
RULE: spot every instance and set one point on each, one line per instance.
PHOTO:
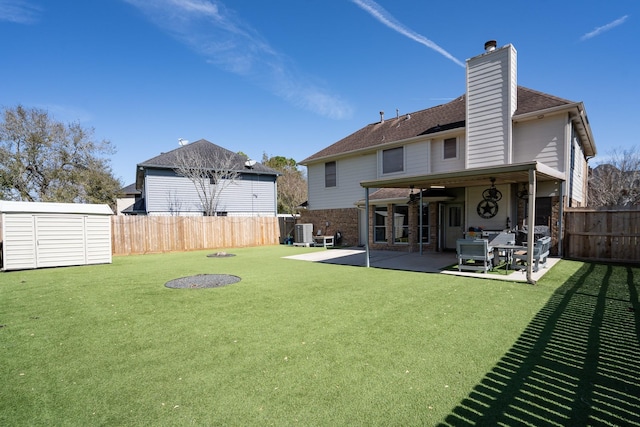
(9, 206)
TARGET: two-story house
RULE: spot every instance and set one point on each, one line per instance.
(499, 157)
(248, 189)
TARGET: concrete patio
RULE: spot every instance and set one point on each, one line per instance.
(428, 262)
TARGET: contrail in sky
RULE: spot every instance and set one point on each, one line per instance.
(223, 39)
(387, 19)
(607, 27)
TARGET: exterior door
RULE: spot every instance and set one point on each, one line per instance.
(453, 225)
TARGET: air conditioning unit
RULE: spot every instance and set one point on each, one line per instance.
(304, 233)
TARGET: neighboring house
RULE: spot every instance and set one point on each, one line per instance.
(429, 177)
(126, 201)
(163, 191)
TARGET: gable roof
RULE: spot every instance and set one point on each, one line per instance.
(129, 190)
(210, 152)
(451, 115)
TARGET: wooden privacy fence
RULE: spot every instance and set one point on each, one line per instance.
(148, 234)
(602, 235)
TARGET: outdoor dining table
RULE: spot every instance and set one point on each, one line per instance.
(508, 249)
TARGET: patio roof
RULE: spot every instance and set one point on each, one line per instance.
(505, 174)
(529, 172)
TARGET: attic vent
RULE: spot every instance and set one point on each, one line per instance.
(490, 46)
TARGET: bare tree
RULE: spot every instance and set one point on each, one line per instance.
(175, 202)
(292, 185)
(616, 183)
(209, 175)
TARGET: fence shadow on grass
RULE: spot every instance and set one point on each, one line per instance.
(576, 364)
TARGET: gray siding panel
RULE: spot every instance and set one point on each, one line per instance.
(167, 193)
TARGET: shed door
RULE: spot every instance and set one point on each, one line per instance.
(60, 240)
(18, 242)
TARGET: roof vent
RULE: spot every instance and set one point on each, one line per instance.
(490, 46)
(381, 116)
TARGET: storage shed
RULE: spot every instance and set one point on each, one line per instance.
(36, 235)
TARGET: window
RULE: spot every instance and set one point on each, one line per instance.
(393, 160)
(400, 224)
(380, 224)
(450, 148)
(455, 216)
(425, 224)
(330, 174)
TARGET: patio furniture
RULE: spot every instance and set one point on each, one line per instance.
(325, 241)
(474, 255)
(540, 254)
(503, 244)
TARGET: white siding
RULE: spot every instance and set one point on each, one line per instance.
(491, 101)
(498, 222)
(98, 239)
(541, 140)
(350, 172)
(417, 160)
(18, 239)
(35, 240)
(60, 240)
(439, 164)
(578, 171)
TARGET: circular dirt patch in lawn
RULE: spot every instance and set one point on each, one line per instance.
(202, 281)
(220, 255)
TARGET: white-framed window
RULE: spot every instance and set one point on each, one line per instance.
(330, 174)
(393, 160)
(450, 148)
(401, 224)
(380, 224)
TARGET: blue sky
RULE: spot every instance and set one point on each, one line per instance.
(290, 77)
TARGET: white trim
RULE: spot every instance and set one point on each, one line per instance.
(48, 207)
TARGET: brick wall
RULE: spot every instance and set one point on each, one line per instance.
(413, 244)
(330, 221)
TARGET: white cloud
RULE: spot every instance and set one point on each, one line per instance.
(375, 10)
(223, 39)
(19, 11)
(602, 29)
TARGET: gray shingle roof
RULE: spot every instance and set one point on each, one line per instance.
(435, 119)
(206, 150)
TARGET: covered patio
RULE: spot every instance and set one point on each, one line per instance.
(529, 174)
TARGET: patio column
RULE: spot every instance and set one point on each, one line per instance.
(531, 224)
(366, 222)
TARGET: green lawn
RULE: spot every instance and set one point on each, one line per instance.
(302, 343)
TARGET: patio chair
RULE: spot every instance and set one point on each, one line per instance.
(474, 255)
(540, 254)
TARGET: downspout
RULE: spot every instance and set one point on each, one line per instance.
(366, 222)
(531, 224)
(275, 196)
